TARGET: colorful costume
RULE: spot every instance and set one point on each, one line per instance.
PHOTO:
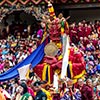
(53, 60)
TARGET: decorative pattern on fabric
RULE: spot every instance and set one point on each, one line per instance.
(46, 73)
(23, 2)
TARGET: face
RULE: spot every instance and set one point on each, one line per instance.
(36, 88)
(89, 83)
(43, 85)
(85, 25)
(80, 82)
(73, 25)
(70, 83)
(21, 89)
(90, 67)
(16, 85)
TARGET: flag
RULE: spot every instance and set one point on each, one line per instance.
(23, 71)
(73, 64)
(65, 60)
(64, 40)
(34, 58)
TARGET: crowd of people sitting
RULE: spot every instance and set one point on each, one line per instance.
(85, 36)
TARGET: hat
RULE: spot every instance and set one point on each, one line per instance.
(51, 49)
(91, 63)
(37, 83)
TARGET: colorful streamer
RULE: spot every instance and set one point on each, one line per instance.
(51, 10)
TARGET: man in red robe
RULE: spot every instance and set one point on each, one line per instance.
(80, 30)
(85, 89)
(87, 30)
(73, 33)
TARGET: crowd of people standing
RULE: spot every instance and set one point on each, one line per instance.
(85, 36)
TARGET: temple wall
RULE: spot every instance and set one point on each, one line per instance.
(88, 14)
(23, 17)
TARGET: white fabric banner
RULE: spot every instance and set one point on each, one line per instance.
(55, 81)
(64, 40)
(23, 71)
(65, 60)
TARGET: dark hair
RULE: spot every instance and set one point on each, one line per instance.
(2, 86)
(16, 81)
(25, 89)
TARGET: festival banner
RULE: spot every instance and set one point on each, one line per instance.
(23, 71)
(65, 60)
(34, 58)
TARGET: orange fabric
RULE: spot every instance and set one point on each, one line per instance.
(2, 96)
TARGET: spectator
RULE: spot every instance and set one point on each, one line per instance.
(40, 95)
(23, 93)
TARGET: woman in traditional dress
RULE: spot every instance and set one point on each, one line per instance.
(23, 93)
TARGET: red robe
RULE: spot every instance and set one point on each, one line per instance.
(81, 31)
(73, 35)
(78, 63)
(87, 31)
(87, 93)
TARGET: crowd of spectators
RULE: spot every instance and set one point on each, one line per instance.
(86, 37)
(13, 50)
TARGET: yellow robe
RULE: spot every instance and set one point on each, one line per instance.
(49, 97)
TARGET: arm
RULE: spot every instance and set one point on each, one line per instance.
(18, 96)
(30, 98)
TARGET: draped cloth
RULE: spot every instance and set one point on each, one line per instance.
(34, 58)
(23, 72)
(65, 60)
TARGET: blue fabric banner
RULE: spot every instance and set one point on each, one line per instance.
(34, 58)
